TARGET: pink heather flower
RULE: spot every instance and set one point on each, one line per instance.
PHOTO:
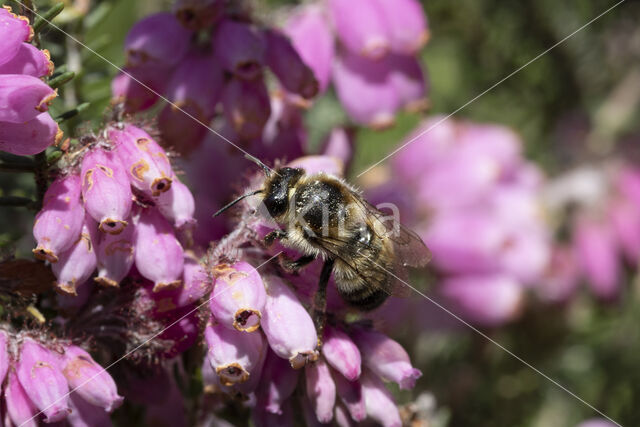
(240, 48)
(284, 135)
(157, 40)
(138, 87)
(341, 353)
(489, 300)
(29, 138)
(89, 380)
(115, 257)
(625, 218)
(381, 407)
(314, 164)
(238, 296)
(287, 325)
(350, 394)
(386, 358)
(106, 190)
(158, 254)
(311, 36)
(406, 24)
(341, 416)
(198, 14)
(177, 205)
(84, 414)
(77, 263)
(562, 276)
(183, 333)
(361, 27)
(23, 97)
(195, 285)
(233, 354)
(4, 355)
(29, 60)
(20, 408)
(179, 129)
(597, 253)
(339, 145)
(14, 30)
(321, 390)
(39, 374)
(282, 58)
(409, 81)
(146, 162)
(365, 90)
(197, 82)
(246, 106)
(277, 384)
(262, 418)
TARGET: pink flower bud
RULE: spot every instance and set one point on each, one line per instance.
(287, 325)
(233, 354)
(4, 355)
(146, 162)
(196, 284)
(409, 82)
(277, 384)
(380, 404)
(115, 256)
(350, 393)
(106, 190)
(282, 58)
(158, 254)
(84, 414)
(180, 131)
(29, 60)
(89, 380)
(238, 296)
(406, 23)
(246, 106)
(314, 164)
(14, 30)
(23, 97)
(321, 390)
(365, 90)
(386, 358)
(77, 263)
(339, 145)
(240, 48)
(177, 205)
(40, 376)
(312, 39)
(487, 299)
(182, 332)
(158, 39)
(361, 27)
(198, 14)
(20, 408)
(341, 416)
(341, 353)
(138, 87)
(597, 254)
(29, 138)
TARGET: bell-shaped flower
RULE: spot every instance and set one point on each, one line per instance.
(321, 390)
(115, 256)
(29, 138)
(77, 263)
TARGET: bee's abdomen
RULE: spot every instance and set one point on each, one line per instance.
(367, 289)
(364, 298)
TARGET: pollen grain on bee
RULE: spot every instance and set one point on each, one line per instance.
(145, 342)
(497, 344)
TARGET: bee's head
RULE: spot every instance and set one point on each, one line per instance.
(276, 190)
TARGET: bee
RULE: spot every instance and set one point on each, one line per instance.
(322, 216)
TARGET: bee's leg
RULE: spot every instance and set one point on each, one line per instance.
(273, 236)
(320, 300)
(293, 266)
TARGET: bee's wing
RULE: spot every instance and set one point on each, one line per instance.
(409, 249)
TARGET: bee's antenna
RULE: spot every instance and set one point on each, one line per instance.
(266, 169)
(228, 205)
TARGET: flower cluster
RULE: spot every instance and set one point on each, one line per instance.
(198, 63)
(120, 207)
(602, 209)
(475, 201)
(25, 125)
(261, 337)
(53, 382)
(373, 66)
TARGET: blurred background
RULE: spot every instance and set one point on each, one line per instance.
(574, 107)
